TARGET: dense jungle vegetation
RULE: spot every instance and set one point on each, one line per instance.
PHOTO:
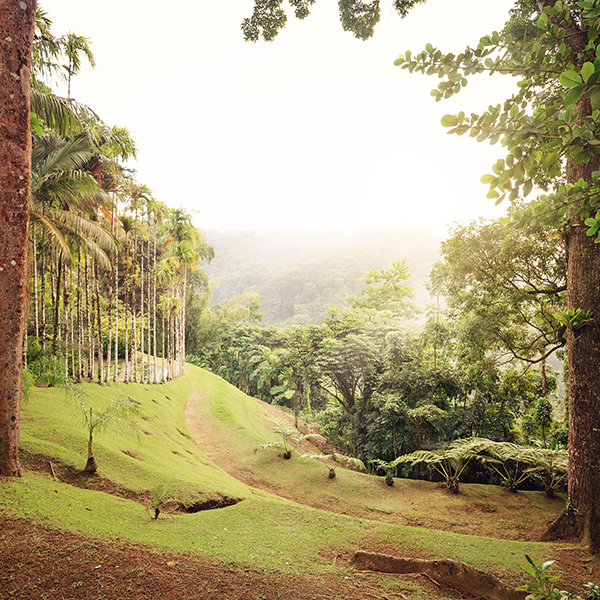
(385, 378)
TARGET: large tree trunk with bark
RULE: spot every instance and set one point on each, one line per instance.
(16, 37)
(581, 516)
(583, 291)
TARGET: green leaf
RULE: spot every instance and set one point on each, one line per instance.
(542, 21)
(492, 194)
(595, 97)
(546, 565)
(487, 179)
(449, 121)
(587, 71)
(574, 94)
(36, 123)
(570, 79)
(527, 187)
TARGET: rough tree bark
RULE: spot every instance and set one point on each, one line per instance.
(17, 19)
(581, 515)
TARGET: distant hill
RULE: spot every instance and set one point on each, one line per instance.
(299, 274)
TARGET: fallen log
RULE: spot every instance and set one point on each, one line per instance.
(453, 573)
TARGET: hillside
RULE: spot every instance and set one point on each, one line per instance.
(299, 274)
(285, 530)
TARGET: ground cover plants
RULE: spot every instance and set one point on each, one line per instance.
(292, 531)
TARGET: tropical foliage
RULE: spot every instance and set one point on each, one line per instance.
(109, 263)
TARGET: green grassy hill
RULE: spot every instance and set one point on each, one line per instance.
(291, 517)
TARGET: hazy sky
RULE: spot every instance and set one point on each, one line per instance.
(315, 129)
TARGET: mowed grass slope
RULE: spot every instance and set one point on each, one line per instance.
(330, 518)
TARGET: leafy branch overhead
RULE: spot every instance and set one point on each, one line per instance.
(539, 125)
(360, 18)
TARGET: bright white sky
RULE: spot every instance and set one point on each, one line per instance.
(316, 129)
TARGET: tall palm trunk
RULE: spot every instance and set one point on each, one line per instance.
(35, 283)
(134, 352)
(72, 341)
(127, 285)
(154, 306)
(163, 374)
(43, 288)
(116, 286)
(66, 305)
(109, 315)
(79, 376)
(99, 320)
(88, 314)
(142, 339)
(56, 307)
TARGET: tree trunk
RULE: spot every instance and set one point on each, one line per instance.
(35, 284)
(134, 352)
(155, 380)
(583, 291)
(126, 377)
(56, 307)
(142, 338)
(43, 288)
(66, 307)
(90, 466)
(109, 315)
(582, 512)
(88, 314)
(163, 374)
(16, 37)
(79, 319)
(99, 321)
(116, 267)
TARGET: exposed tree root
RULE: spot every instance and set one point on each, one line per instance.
(452, 573)
(571, 526)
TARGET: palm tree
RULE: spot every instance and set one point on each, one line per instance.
(118, 412)
(73, 47)
(62, 191)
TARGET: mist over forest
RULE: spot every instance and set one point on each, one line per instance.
(299, 274)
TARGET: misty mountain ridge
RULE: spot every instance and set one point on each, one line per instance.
(299, 274)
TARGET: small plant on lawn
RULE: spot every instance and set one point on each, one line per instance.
(388, 468)
(290, 438)
(542, 587)
(158, 495)
(332, 460)
(119, 412)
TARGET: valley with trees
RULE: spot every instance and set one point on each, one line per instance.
(275, 414)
